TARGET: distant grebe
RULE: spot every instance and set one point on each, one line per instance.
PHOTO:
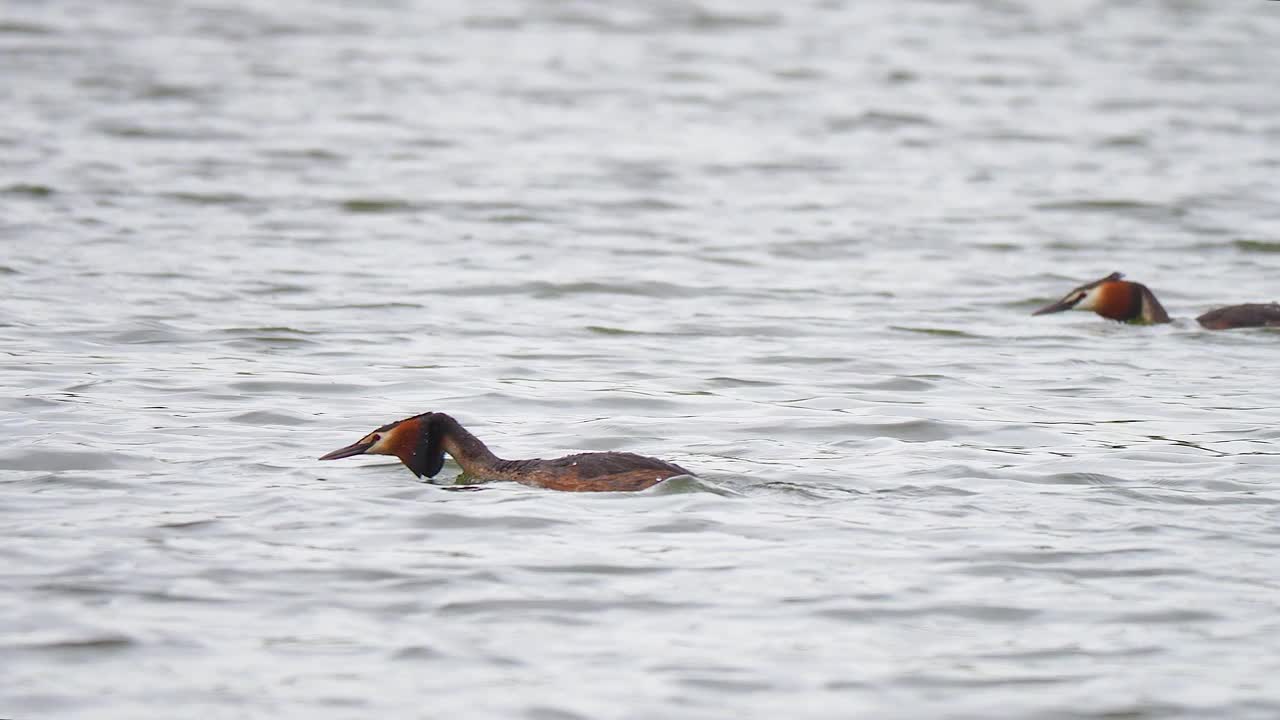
(1117, 299)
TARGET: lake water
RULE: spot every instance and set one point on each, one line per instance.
(790, 246)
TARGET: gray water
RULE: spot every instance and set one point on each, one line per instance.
(790, 246)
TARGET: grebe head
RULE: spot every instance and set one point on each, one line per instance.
(1090, 296)
(417, 441)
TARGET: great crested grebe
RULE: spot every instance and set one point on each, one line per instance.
(1118, 299)
(422, 440)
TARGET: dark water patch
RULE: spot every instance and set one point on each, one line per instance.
(369, 206)
(516, 219)
(640, 205)
(1173, 616)
(1149, 710)
(229, 576)
(733, 382)
(493, 22)
(604, 330)
(960, 472)
(90, 591)
(800, 166)
(1136, 209)
(1000, 247)
(1157, 494)
(901, 384)
(618, 402)
(153, 333)
(19, 27)
(1016, 136)
(269, 342)
(29, 403)
(169, 91)
(814, 490)
(687, 76)
(543, 712)
(1077, 478)
(40, 459)
(877, 121)
(321, 645)
(32, 190)
(341, 701)
(1070, 651)
(133, 131)
(595, 569)
(1048, 556)
(726, 685)
(207, 198)
(563, 606)
(900, 76)
(389, 305)
(983, 613)
(1257, 246)
(702, 329)
(939, 332)
(198, 524)
(674, 18)
(683, 525)
(96, 644)
(258, 418)
(279, 288)
(295, 387)
(816, 359)
(452, 521)
(820, 250)
(1018, 570)
(64, 479)
(418, 652)
(1122, 141)
(845, 685)
(432, 142)
(701, 18)
(1137, 572)
(921, 491)
(268, 331)
(910, 431)
(162, 275)
(931, 680)
(1096, 389)
(312, 154)
(543, 290)
(7, 270)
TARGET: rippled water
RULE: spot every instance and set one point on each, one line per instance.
(792, 247)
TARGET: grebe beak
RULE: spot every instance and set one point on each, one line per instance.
(1064, 304)
(355, 449)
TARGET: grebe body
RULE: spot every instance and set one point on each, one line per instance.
(422, 441)
(1246, 315)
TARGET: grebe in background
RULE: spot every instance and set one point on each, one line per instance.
(422, 440)
(1118, 299)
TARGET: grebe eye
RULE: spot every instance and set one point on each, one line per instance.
(375, 438)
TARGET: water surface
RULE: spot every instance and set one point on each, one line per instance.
(791, 247)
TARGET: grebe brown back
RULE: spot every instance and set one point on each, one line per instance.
(1118, 299)
(422, 440)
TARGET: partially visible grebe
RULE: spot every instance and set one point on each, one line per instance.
(422, 440)
(1117, 299)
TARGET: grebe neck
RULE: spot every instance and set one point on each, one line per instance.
(472, 455)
